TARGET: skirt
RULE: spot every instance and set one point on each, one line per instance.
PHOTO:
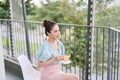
(54, 72)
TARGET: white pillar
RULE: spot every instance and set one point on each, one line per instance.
(2, 67)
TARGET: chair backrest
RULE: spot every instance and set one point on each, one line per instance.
(29, 72)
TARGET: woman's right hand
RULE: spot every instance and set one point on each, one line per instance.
(59, 58)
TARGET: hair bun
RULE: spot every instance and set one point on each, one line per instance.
(45, 23)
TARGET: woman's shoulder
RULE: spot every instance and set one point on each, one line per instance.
(60, 42)
(44, 44)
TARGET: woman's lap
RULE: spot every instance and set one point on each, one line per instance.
(54, 73)
(61, 76)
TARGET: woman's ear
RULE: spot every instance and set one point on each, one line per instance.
(48, 33)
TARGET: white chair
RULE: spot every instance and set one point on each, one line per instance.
(28, 71)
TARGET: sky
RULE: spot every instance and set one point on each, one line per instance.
(114, 3)
(37, 2)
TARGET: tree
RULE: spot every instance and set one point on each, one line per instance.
(108, 17)
(30, 9)
(60, 11)
(4, 9)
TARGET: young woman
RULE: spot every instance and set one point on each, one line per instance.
(50, 53)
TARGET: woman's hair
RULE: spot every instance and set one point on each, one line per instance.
(48, 25)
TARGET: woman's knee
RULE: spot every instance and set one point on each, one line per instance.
(74, 77)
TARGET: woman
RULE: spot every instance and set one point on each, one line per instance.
(50, 53)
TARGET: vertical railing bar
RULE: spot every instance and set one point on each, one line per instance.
(109, 53)
(70, 43)
(21, 34)
(118, 55)
(112, 54)
(20, 31)
(8, 37)
(19, 38)
(11, 39)
(23, 40)
(85, 33)
(38, 30)
(30, 39)
(25, 46)
(17, 22)
(15, 39)
(26, 29)
(79, 54)
(65, 43)
(103, 53)
(80, 71)
(96, 52)
(69, 40)
(35, 39)
(62, 37)
(36, 33)
(115, 56)
(74, 48)
(22, 37)
(16, 27)
(34, 42)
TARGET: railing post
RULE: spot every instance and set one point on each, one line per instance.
(9, 24)
(89, 44)
(26, 29)
(109, 53)
(2, 67)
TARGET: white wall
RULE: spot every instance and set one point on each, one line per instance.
(2, 66)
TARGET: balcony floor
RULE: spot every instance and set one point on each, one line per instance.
(10, 75)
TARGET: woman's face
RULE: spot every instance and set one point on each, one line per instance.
(54, 33)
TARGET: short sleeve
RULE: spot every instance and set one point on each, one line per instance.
(42, 53)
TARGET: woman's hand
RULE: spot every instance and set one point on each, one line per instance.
(42, 64)
(59, 58)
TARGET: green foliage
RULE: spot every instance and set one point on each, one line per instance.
(4, 10)
(79, 47)
(30, 8)
(108, 17)
(55, 11)
(60, 11)
(4, 42)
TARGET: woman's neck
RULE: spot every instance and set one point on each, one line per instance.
(54, 44)
(52, 40)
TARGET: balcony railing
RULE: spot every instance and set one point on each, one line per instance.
(104, 47)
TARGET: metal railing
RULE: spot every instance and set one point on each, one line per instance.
(105, 47)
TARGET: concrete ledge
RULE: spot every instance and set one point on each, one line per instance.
(13, 67)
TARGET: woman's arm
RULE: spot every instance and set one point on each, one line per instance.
(42, 64)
